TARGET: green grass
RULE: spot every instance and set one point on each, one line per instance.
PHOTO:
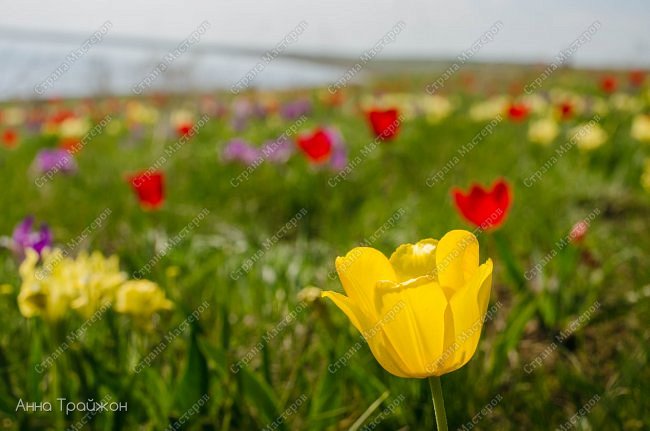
(608, 356)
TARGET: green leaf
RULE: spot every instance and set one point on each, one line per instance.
(326, 397)
(519, 316)
(194, 383)
(214, 355)
(259, 394)
(34, 378)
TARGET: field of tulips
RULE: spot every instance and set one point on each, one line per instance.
(325, 259)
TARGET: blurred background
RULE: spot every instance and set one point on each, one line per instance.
(191, 170)
(36, 36)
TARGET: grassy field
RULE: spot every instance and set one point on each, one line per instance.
(249, 344)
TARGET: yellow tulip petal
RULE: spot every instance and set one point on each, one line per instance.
(372, 332)
(485, 274)
(386, 355)
(32, 300)
(141, 298)
(414, 260)
(399, 326)
(468, 307)
(456, 258)
(359, 270)
(427, 304)
(412, 319)
(26, 268)
(354, 313)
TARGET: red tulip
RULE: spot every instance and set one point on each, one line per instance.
(385, 124)
(566, 110)
(70, 144)
(637, 77)
(9, 138)
(183, 129)
(517, 111)
(150, 188)
(486, 209)
(60, 116)
(317, 145)
(608, 84)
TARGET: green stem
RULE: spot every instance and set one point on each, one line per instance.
(509, 260)
(438, 403)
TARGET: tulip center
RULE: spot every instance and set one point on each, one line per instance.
(414, 261)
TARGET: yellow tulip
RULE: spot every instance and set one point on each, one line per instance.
(74, 127)
(435, 108)
(13, 116)
(543, 131)
(588, 136)
(489, 109)
(43, 291)
(95, 279)
(141, 298)
(641, 128)
(86, 284)
(137, 112)
(422, 310)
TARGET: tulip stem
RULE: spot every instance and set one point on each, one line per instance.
(438, 403)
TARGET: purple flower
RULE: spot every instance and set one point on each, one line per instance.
(238, 150)
(56, 160)
(278, 151)
(295, 109)
(339, 158)
(24, 237)
(243, 110)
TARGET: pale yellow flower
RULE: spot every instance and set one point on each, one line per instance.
(489, 109)
(181, 116)
(74, 127)
(435, 108)
(141, 298)
(42, 293)
(95, 279)
(641, 128)
(535, 103)
(625, 102)
(13, 116)
(543, 131)
(599, 106)
(84, 284)
(172, 271)
(309, 294)
(137, 112)
(588, 136)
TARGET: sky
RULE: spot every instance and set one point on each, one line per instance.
(532, 32)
